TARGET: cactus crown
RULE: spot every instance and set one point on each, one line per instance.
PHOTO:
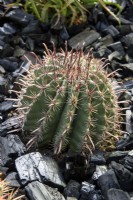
(67, 100)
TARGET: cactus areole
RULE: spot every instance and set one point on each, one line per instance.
(67, 101)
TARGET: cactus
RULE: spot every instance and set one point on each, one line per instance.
(67, 101)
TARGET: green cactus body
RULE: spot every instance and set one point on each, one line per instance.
(53, 114)
(80, 124)
(40, 102)
(66, 120)
(69, 101)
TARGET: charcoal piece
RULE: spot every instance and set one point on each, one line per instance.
(13, 123)
(116, 86)
(125, 143)
(107, 40)
(100, 170)
(101, 25)
(124, 176)
(122, 20)
(12, 179)
(129, 51)
(8, 65)
(86, 188)
(72, 189)
(108, 181)
(13, 59)
(124, 4)
(19, 40)
(125, 96)
(112, 31)
(1, 45)
(32, 27)
(76, 28)
(129, 125)
(6, 1)
(39, 39)
(132, 95)
(115, 155)
(6, 106)
(2, 71)
(117, 46)
(39, 191)
(103, 51)
(100, 19)
(24, 67)
(115, 55)
(45, 27)
(41, 168)
(116, 194)
(64, 34)
(40, 50)
(114, 65)
(124, 29)
(3, 170)
(88, 192)
(90, 171)
(4, 85)
(18, 52)
(127, 40)
(130, 153)
(75, 166)
(1, 10)
(28, 59)
(19, 17)
(54, 39)
(130, 48)
(30, 44)
(11, 147)
(128, 13)
(128, 66)
(128, 58)
(3, 37)
(7, 51)
(94, 16)
(96, 45)
(125, 21)
(7, 29)
(98, 158)
(83, 39)
(131, 27)
(128, 161)
(54, 191)
(128, 84)
(1, 116)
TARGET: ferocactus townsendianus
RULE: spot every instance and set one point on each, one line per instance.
(67, 101)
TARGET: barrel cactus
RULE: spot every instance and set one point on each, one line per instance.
(67, 101)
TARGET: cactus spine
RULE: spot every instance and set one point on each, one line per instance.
(68, 101)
